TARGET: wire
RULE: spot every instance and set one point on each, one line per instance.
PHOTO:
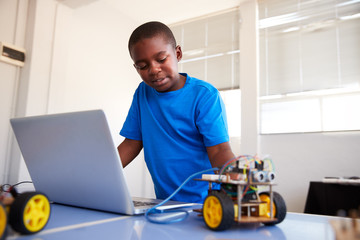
(245, 191)
(247, 158)
(271, 163)
(180, 215)
(177, 214)
(16, 184)
(7, 187)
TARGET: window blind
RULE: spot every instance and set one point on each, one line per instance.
(308, 45)
(211, 48)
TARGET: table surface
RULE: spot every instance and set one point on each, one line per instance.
(77, 223)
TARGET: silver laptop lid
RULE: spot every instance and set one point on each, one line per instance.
(71, 158)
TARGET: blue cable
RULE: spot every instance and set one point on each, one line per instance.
(177, 219)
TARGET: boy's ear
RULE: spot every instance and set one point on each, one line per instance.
(178, 52)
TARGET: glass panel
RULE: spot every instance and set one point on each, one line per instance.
(319, 59)
(211, 49)
(275, 8)
(195, 69)
(307, 47)
(349, 43)
(283, 63)
(232, 100)
(194, 42)
(177, 31)
(341, 112)
(221, 71)
(223, 33)
(291, 116)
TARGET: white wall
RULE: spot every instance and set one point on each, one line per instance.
(92, 69)
(13, 16)
(77, 59)
(304, 157)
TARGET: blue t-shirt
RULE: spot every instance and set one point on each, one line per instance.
(175, 128)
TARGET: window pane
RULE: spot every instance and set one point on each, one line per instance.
(232, 100)
(211, 48)
(349, 41)
(280, 69)
(291, 116)
(221, 71)
(195, 69)
(319, 59)
(194, 36)
(177, 31)
(307, 47)
(223, 33)
(341, 112)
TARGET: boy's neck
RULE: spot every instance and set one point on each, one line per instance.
(182, 80)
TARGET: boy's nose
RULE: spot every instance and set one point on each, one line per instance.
(154, 68)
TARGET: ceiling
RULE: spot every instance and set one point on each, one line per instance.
(170, 11)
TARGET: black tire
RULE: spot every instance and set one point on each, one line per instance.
(218, 211)
(29, 212)
(280, 206)
(3, 222)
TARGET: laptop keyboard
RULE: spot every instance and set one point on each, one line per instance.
(141, 203)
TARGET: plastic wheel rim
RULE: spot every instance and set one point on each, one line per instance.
(3, 220)
(266, 198)
(36, 213)
(212, 211)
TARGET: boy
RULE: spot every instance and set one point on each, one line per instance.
(180, 121)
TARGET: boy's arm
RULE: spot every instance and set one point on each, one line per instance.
(220, 154)
(128, 150)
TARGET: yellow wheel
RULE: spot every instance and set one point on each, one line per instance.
(29, 213)
(265, 197)
(3, 222)
(218, 211)
(278, 204)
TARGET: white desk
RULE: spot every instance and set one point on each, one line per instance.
(76, 223)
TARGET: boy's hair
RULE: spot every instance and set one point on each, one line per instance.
(149, 30)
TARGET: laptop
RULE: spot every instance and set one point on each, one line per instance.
(71, 157)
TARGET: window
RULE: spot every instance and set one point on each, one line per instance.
(309, 65)
(211, 52)
(232, 101)
(211, 48)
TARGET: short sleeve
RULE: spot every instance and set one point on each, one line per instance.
(211, 119)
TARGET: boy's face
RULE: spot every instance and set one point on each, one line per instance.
(157, 63)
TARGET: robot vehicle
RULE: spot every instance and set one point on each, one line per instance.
(26, 213)
(239, 198)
